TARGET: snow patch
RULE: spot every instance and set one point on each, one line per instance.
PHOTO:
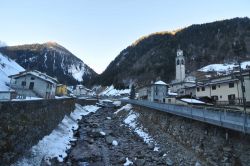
(127, 107)
(128, 162)
(102, 133)
(114, 143)
(77, 71)
(192, 101)
(224, 67)
(117, 103)
(131, 121)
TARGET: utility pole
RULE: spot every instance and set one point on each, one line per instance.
(238, 48)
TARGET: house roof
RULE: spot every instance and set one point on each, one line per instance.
(192, 101)
(37, 74)
(160, 83)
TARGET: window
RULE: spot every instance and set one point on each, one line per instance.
(156, 90)
(231, 85)
(220, 97)
(169, 100)
(203, 88)
(218, 86)
(23, 83)
(198, 89)
(32, 78)
(213, 87)
(178, 62)
(182, 62)
(231, 97)
(214, 97)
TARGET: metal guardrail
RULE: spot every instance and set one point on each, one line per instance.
(222, 118)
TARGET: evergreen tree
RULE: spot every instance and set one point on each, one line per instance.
(132, 92)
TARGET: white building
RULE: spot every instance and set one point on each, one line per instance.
(156, 92)
(81, 90)
(33, 84)
(224, 89)
(159, 91)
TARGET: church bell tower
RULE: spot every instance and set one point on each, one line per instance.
(180, 66)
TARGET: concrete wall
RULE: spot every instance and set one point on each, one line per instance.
(217, 146)
(24, 123)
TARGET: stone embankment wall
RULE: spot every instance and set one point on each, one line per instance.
(214, 145)
(24, 123)
(86, 101)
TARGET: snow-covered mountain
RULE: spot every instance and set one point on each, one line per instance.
(52, 59)
(7, 67)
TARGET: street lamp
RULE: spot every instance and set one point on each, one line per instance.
(238, 49)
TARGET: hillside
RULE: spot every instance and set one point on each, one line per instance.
(153, 56)
(7, 67)
(52, 59)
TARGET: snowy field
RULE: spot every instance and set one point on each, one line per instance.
(224, 67)
(57, 143)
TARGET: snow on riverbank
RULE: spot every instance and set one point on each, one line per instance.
(131, 121)
(57, 143)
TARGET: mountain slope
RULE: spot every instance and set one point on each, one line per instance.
(7, 67)
(52, 59)
(153, 56)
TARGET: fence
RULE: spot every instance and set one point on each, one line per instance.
(220, 117)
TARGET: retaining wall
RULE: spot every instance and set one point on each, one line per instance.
(24, 123)
(217, 146)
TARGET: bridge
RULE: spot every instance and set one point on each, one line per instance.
(234, 120)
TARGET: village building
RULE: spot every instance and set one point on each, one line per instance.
(61, 90)
(81, 90)
(156, 92)
(33, 84)
(224, 89)
(159, 91)
(144, 92)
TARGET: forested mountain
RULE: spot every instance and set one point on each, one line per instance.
(153, 56)
(52, 59)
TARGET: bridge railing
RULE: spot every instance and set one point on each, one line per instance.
(220, 117)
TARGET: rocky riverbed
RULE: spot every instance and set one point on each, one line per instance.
(111, 137)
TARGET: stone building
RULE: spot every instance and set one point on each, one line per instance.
(33, 84)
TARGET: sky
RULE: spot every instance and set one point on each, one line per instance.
(96, 31)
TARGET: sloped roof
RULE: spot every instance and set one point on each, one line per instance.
(160, 83)
(37, 74)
